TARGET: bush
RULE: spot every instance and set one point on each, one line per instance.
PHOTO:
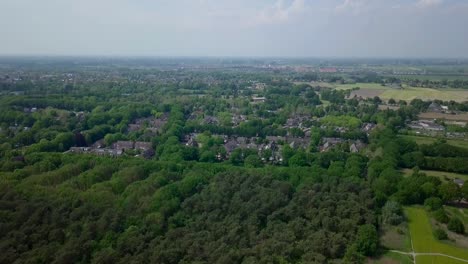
(433, 203)
(441, 216)
(440, 234)
(456, 225)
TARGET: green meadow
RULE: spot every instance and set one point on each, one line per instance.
(424, 241)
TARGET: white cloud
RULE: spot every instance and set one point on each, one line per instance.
(353, 6)
(280, 12)
(428, 3)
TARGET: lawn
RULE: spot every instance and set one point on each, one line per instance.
(424, 241)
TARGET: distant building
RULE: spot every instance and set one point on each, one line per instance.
(328, 70)
(123, 145)
(258, 99)
(426, 125)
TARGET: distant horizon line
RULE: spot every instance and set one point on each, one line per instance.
(123, 56)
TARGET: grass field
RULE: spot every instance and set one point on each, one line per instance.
(439, 174)
(391, 258)
(395, 237)
(429, 140)
(406, 94)
(433, 115)
(424, 241)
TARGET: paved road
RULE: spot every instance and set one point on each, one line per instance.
(427, 254)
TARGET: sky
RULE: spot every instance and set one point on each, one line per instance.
(260, 28)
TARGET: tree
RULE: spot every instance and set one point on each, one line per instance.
(287, 153)
(367, 240)
(464, 190)
(456, 225)
(440, 234)
(392, 213)
(441, 216)
(298, 160)
(353, 256)
(449, 192)
(253, 161)
(433, 203)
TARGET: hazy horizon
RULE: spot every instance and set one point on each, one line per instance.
(236, 29)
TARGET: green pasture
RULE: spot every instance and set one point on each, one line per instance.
(424, 241)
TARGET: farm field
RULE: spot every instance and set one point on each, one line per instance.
(424, 241)
(429, 140)
(368, 90)
(439, 174)
(433, 115)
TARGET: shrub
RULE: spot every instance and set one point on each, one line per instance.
(441, 216)
(433, 203)
(440, 234)
(456, 225)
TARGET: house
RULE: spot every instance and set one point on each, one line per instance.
(231, 145)
(123, 145)
(435, 107)
(134, 127)
(368, 127)
(329, 143)
(426, 125)
(191, 142)
(356, 146)
(257, 99)
(98, 144)
(210, 120)
(143, 146)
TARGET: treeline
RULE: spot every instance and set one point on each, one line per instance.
(437, 156)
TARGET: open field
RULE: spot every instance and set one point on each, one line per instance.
(391, 258)
(362, 86)
(396, 237)
(429, 140)
(424, 241)
(368, 90)
(434, 115)
(439, 174)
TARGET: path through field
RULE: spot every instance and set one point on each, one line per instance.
(413, 254)
(424, 247)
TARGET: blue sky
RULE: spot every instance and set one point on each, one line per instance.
(312, 28)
